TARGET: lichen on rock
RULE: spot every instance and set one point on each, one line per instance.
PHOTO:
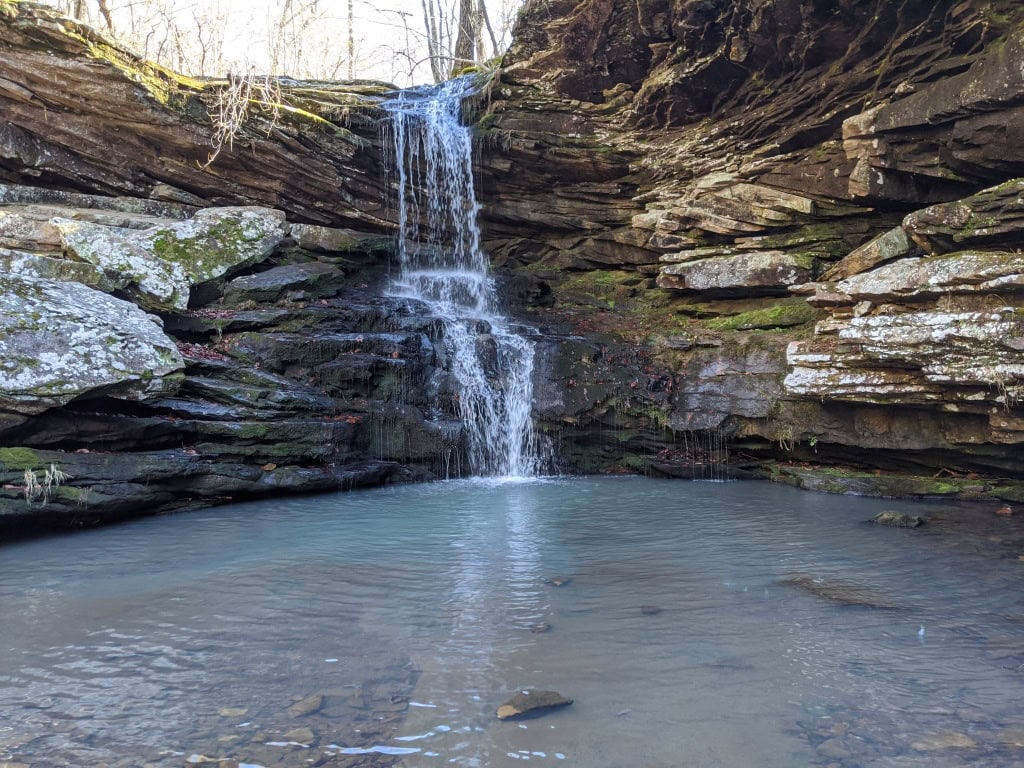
(165, 262)
(60, 341)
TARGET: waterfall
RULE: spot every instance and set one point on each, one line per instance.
(441, 263)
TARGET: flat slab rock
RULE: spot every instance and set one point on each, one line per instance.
(531, 704)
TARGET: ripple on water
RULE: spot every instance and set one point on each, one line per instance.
(677, 629)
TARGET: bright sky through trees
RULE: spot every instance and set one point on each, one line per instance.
(308, 39)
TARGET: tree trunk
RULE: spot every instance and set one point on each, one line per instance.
(464, 41)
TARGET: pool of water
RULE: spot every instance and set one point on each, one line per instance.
(696, 624)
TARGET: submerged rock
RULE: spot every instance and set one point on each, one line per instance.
(307, 706)
(558, 581)
(840, 592)
(300, 735)
(531, 703)
(943, 740)
(898, 519)
(650, 610)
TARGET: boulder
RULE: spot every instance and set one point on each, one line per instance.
(927, 277)
(894, 244)
(165, 262)
(914, 358)
(531, 704)
(60, 341)
(993, 217)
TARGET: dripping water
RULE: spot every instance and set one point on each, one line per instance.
(442, 263)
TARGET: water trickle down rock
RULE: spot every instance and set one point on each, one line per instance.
(443, 265)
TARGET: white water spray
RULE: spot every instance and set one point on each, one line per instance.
(442, 264)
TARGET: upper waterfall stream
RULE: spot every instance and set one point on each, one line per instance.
(442, 263)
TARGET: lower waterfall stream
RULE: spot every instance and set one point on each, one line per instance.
(442, 264)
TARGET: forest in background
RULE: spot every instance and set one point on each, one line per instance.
(406, 42)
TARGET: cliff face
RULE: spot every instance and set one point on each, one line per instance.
(175, 332)
(783, 235)
(802, 217)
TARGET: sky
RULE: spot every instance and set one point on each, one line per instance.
(213, 37)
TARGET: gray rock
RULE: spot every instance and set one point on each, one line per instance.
(758, 271)
(34, 265)
(165, 262)
(312, 279)
(59, 341)
(531, 703)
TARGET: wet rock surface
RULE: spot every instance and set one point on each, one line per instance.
(659, 218)
(898, 520)
(291, 378)
(718, 157)
(531, 703)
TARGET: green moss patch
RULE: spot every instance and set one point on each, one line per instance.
(786, 313)
(19, 459)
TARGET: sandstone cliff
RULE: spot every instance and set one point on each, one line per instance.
(804, 217)
(779, 235)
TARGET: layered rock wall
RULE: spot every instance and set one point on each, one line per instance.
(779, 236)
(810, 227)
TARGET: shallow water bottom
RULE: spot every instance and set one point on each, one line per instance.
(694, 624)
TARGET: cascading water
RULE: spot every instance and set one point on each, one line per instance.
(442, 264)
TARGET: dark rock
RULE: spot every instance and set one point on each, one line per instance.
(650, 610)
(312, 280)
(531, 704)
(898, 520)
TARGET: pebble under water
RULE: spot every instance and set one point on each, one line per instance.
(694, 624)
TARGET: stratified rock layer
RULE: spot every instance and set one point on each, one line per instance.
(701, 161)
(783, 232)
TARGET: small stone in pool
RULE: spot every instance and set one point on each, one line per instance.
(531, 703)
(301, 735)
(898, 519)
(307, 706)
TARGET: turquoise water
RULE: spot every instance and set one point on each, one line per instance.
(406, 614)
